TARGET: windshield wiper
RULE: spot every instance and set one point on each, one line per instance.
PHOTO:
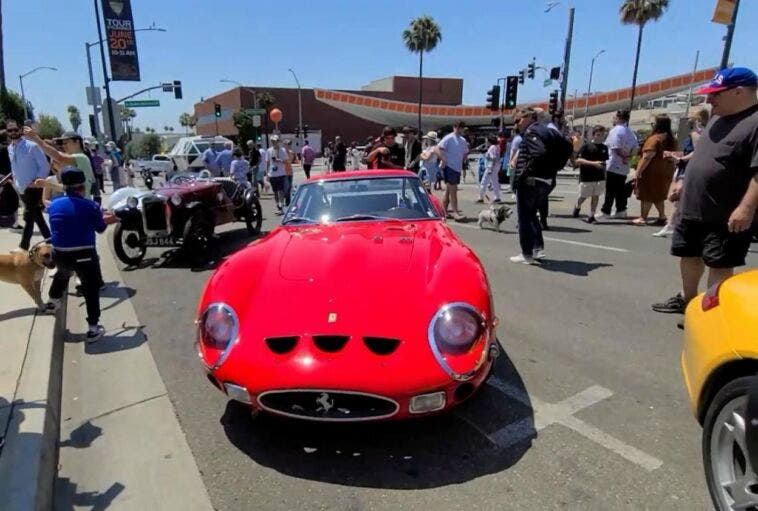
(298, 219)
(362, 216)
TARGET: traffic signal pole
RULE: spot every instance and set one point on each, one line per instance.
(729, 36)
(106, 79)
(567, 59)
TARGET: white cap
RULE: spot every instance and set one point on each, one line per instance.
(275, 138)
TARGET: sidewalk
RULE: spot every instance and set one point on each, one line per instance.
(31, 347)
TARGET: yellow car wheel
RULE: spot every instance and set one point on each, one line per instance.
(732, 482)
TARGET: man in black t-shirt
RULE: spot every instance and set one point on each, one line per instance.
(386, 153)
(719, 193)
(340, 155)
(591, 159)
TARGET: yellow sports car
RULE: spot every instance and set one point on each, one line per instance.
(719, 362)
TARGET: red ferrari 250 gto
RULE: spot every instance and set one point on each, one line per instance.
(363, 305)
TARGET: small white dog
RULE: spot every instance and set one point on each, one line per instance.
(494, 216)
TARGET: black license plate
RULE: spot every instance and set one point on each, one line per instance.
(163, 241)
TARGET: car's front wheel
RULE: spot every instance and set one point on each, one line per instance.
(732, 481)
(253, 216)
(130, 245)
(197, 236)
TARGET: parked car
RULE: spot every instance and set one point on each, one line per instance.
(394, 315)
(719, 363)
(183, 213)
(158, 164)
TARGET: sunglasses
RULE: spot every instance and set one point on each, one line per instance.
(12, 130)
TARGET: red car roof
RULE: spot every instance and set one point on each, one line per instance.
(357, 174)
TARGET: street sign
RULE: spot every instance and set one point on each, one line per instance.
(255, 111)
(138, 103)
(547, 82)
(257, 121)
(93, 96)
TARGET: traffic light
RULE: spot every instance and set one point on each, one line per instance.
(493, 97)
(555, 72)
(553, 102)
(177, 89)
(217, 109)
(521, 77)
(530, 71)
(511, 91)
(305, 130)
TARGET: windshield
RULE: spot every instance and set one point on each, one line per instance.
(367, 199)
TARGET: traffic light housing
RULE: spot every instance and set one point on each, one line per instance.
(305, 130)
(217, 109)
(177, 89)
(511, 91)
(493, 98)
(530, 70)
(521, 77)
(552, 103)
(555, 73)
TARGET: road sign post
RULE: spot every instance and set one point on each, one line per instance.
(140, 103)
(255, 111)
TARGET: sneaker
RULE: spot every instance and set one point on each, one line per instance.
(95, 332)
(52, 306)
(458, 217)
(600, 215)
(674, 305)
(521, 259)
(666, 231)
(17, 228)
(620, 215)
(575, 213)
(539, 254)
(591, 220)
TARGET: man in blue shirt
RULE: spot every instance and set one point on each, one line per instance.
(28, 163)
(75, 221)
(209, 158)
(224, 160)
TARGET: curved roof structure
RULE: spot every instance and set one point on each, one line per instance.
(398, 113)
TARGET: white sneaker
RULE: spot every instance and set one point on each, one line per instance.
(95, 332)
(539, 254)
(521, 259)
(665, 232)
(620, 215)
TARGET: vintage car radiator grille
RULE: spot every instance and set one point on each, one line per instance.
(155, 214)
(326, 405)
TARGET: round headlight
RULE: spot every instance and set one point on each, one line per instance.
(132, 202)
(218, 326)
(176, 199)
(456, 328)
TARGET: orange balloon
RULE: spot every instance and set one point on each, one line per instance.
(275, 115)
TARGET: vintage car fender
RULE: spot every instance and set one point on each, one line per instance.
(130, 217)
(119, 197)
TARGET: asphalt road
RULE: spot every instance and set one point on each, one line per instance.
(586, 410)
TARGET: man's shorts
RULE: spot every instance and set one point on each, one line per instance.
(591, 189)
(452, 177)
(278, 183)
(718, 247)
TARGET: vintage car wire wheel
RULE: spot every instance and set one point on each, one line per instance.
(732, 482)
(253, 217)
(197, 235)
(130, 245)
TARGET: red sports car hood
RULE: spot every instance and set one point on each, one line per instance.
(363, 279)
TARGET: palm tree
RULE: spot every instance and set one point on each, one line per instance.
(422, 36)
(640, 12)
(186, 120)
(266, 100)
(74, 117)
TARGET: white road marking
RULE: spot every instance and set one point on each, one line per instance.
(547, 414)
(557, 240)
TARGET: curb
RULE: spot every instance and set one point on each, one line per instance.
(28, 465)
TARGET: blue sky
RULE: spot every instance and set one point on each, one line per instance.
(345, 44)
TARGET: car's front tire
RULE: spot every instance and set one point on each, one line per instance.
(732, 482)
(130, 245)
(197, 237)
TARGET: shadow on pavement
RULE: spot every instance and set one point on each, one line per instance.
(430, 452)
(18, 313)
(119, 339)
(83, 436)
(67, 498)
(578, 268)
(563, 228)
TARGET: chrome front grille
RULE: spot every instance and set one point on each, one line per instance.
(328, 405)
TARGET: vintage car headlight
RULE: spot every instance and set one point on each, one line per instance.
(217, 330)
(454, 331)
(132, 201)
(176, 199)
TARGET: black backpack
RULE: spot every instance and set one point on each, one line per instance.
(559, 150)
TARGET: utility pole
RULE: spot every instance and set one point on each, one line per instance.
(567, 58)
(106, 79)
(2, 55)
(729, 36)
(95, 109)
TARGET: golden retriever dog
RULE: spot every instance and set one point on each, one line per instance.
(27, 269)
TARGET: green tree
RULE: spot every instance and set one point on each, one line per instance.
(11, 106)
(266, 100)
(187, 121)
(74, 117)
(245, 128)
(49, 127)
(640, 12)
(149, 145)
(422, 36)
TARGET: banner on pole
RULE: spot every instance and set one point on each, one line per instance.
(724, 11)
(122, 45)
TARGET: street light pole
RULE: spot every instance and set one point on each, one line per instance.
(587, 98)
(567, 59)
(299, 105)
(106, 78)
(729, 36)
(251, 91)
(21, 83)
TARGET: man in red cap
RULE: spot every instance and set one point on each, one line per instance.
(719, 193)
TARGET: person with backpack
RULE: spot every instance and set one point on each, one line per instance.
(542, 153)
